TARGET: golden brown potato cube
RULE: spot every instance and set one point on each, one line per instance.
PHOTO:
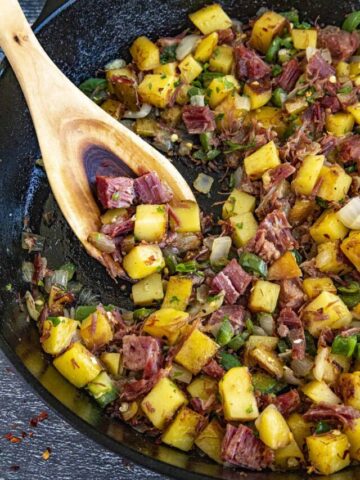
(146, 127)
(351, 248)
(308, 174)
(148, 290)
(157, 89)
(150, 222)
(237, 394)
(268, 360)
(167, 69)
(265, 29)
(244, 228)
(320, 392)
(300, 428)
(210, 440)
(284, 268)
(349, 384)
(301, 210)
(187, 215)
(270, 117)
(78, 365)
(237, 203)
(57, 333)
(273, 429)
(203, 387)
(263, 159)
(171, 115)
(162, 402)
(314, 286)
(264, 296)
(196, 351)
(189, 69)
(178, 292)
(289, 457)
(113, 363)
(220, 88)
(340, 123)
(302, 39)
(354, 110)
(328, 227)
(143, 260)
(113, 108)
(335, 183)
(326, 310)
(353, 435)
(222, 59)
(96, 330)
(205, 48)
(166, 323)
(329, 452)
(145, 53)
(257, 95)
(182, 431)
(329, 259)
(210, 19)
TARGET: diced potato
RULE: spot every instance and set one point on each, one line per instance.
(328, 259)
(111, 215)
(145, 53)
(167, 69)
(245, 227)
(308, 174)
(289, 457)
(264, 296)
(258, 96)
(233, 108)
(150, 222)
(296, 105)
(148, 290)
(189, 69)
(300, 428)
(268, 360)
(349, 384)
(203, 387)
(336, 183)
(351, 248)
(143, 260)
(355, 111)
(268, 26)
(178, 292)
(211, 18)
(219, 88)
(162, 402)
(354, 69)
(301, 210)
(284, 267)
(171, 115)
(96, 330)
(328, 227)
(353, 435)
(182, 96)
(166, 322)
(314, 286)
(263, 159)
(205, 48)
(183, 430)
(326, 310)
(273, 429)
(146, 127)
(320, 392)
(222, 59)
(342, 69)
(103, 389)
(196, 351)
(188, 217)
(237, 394)
(111, 75)
(157, 89)
(57, 333)
(78, 365)
(113, 108)
(237, 203)
(210, 441)
(339, 123)
(302, 39)
(113, 363)
(262, 341)
(270, 117)
(329, 452)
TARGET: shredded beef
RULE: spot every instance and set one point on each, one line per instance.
(291, 294)
(290, 75)
(281, 172)
(141, 353)
(198, 119)
(318, 68)
(241, 447)
(115, 192)
(136, 388)
(225, 36)
(328, 143)
(341, 44)
(235, 314)
(294, 330)
(213, 369)
(120, 227)
(339, 414)
(150, 189)
(249, 66)
(286, 403)
(233, 280)
(349, 149)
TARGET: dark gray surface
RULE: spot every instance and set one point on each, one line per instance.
(73, 456)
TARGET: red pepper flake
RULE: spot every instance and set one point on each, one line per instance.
(40, 418)
(12, 438)
(46, 454)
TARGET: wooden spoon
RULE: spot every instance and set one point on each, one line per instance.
(73, 131)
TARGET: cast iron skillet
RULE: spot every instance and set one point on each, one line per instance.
(80, 37)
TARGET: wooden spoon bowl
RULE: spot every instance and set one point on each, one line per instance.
(73, 133)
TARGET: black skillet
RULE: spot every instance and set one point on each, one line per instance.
(80, 37)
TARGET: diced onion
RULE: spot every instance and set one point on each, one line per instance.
(238, 176)
(116, 63)
(203, 183)
(59, 278)
(31, 307)
(290, 378)
(186, 46)
(259, 331)
(267, 323)
(236, 25)
(310, 52)
(142, 113)
(103, 242)
(243, 103)
(220, 249)
(202, 293)
(350, 214)
(321, 361)
(180, 374)
(198, 100)
(28, 271)
(302, 368)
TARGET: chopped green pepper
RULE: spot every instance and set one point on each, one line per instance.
(187, 267)
(350, 294)
(171, 263)
(228, 361)
(344, 345)
(83, 311)
(141, 313)
(225, 332)
(352, 21)
(253, 264)
(310, 346)
(273, 50)
(322, 427)
(238, 341)
(265, 384)
(279, 97)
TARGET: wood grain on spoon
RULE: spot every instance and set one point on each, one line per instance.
(68, 125)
